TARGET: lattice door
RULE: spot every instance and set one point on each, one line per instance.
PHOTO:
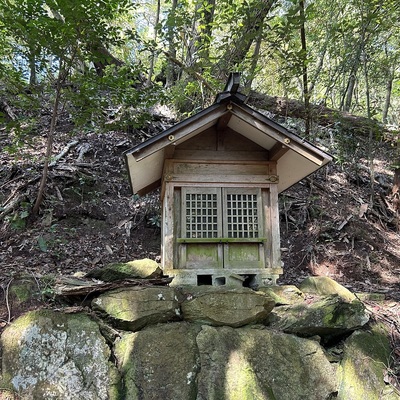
(243, 227)
(221, 228)
(201, 210)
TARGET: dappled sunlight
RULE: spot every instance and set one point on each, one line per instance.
(241, 381)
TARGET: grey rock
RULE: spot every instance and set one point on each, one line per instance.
(325, 286)
(137, 269)
(248, 364)
(220, 306)
(49, 355)
(283, 295)
(136, 307)
(365, 363)
(326, 316)
(160, 362)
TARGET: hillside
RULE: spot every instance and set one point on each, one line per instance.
(90, 218)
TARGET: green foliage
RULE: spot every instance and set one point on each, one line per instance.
(155, 221)
(112, 98)
(42, 244)
(18, 219)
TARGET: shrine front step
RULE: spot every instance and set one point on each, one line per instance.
(252, 278)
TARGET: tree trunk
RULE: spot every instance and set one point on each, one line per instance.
(350, 89)
(371, 133)
(153, 55)
(306, 94)
(322, 115)
(49, 145)
(171, 73)
(103, 58)
(32, 67)
(396, 184)
(254, 61)
(386, 106)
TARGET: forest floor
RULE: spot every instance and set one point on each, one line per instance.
(89, 218)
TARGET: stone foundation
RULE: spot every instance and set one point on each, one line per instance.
(230, 278)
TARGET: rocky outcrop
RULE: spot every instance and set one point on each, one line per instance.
(249, 364)
(366, 359)
(199, 343)
(160, 362)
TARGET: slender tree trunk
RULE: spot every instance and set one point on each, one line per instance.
(348, 99)
(32, 67)
(371, 132)
(171, 74)
(49, 146)
(386, 106)
(153, 55)
(396, 187)
(306, 93)
(254, 61)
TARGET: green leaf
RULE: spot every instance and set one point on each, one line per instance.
(42, 244)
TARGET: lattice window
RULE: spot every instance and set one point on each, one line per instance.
(242, 216)
(201, 215)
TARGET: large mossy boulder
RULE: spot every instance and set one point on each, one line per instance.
(248, 364)
(136, 307)
(365, 363)
(325, 286)
(50, 355)
(325, 316)
(137, 269)
(160, 362)
(222, 306)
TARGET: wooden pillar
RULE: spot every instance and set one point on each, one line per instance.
(168, 228)
(275, 232)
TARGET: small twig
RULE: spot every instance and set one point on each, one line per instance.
(7, 301)
(10, 181)
(65, 150)
(344, 223)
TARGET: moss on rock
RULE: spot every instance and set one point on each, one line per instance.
(50, 355)
(144, 269)
(365, 362)
(324, 286)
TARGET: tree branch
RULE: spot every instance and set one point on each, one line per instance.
(190, 71)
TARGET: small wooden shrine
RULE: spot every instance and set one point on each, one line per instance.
(220, 173)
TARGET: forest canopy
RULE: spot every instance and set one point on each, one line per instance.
(344, 54)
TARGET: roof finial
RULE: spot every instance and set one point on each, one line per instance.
(233, 82)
